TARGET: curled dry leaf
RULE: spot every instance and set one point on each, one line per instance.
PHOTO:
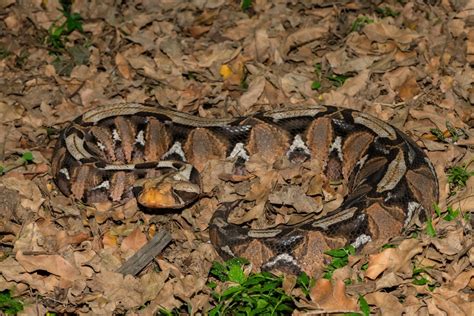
(394, 259)
(122, 66)
(451, 242)
(382, 32)
(304, 36)
(386, 302)
(249, 98)
(53, 264)
(134, 241)
(332, 297)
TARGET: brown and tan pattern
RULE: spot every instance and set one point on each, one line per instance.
(114, 152)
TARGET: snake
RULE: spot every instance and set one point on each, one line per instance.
(156, 155)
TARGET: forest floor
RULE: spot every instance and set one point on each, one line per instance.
(407, 62)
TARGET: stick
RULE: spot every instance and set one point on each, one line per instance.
(145, 254)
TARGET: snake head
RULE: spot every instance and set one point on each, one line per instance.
(172, 190)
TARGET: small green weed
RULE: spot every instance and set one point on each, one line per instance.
(67, 56)
(183, 310)
(458, 176)
(8, 304)
(338, 80)
(57, 33)
(451, 135)
(246, 4)
(450, 213)
(386, 11)
(254, 294)
(430, 230)
(438, 133)
(360, 22)
(340, 258)
(364, 306)
(4, 52)
(420, 277)
(316, 85)
(305, 283)
(26, 158)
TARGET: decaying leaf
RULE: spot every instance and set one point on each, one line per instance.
(332, 297)
(394, 259)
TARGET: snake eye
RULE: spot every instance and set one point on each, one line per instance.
(186, 192)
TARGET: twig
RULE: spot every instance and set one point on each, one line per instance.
(146, 254)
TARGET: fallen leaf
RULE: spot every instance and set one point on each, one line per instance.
(53, 264)
(386, 302)
(393, 259)
(254, 91)
(332, 297)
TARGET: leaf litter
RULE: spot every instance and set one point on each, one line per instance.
(407, 62)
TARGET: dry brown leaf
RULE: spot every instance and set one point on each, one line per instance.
(165, 298)
(394, 259)
(332, 297)
(409, 89)
(304, 36)
(342, 64)
(386, 302)
(382, 31)
(249, 98)
(451, 243)
(117, 291)
(152, 283)
(388, 280)
(134, 241)
(53, 264)
(122, 66)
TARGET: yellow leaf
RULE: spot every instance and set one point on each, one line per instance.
(225, 71)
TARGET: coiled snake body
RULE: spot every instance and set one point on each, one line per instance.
(113, 152)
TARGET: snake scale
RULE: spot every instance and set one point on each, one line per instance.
(118, 152)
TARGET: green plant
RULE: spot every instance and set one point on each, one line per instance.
(305, 283)
(26, 158)
(186, 310)
(317, 71)
(246, 4)
(57, 33)
(253, 294)
(316, 85)
(4, 52)
(419, 276)
(430, 230)
(338, 80)
(340, 258)
(360, 22)
(451, 134)
(8, 304)
(450, 213)
(386, 11)
(364, 306)
(438, 134)
(458, 176)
